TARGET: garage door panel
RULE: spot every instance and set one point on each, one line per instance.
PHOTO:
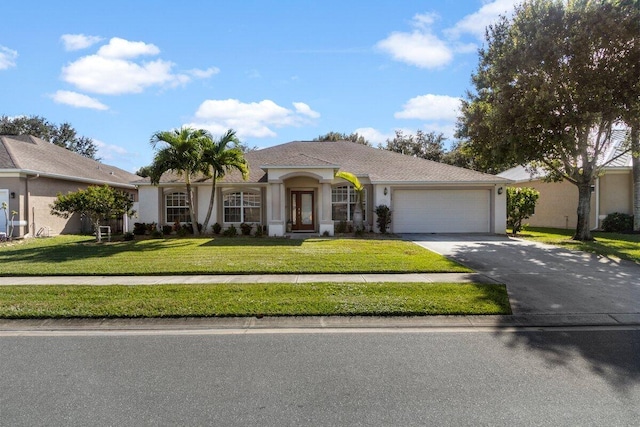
(441, 211)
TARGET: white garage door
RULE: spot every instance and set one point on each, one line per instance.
(441, 211)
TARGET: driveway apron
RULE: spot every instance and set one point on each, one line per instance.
(544, 279)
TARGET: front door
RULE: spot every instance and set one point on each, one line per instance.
(302, 211)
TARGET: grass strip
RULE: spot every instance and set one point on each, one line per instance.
(618, 245)
(273, 299)
(80, 255)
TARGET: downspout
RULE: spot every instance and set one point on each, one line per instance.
(31, 222)
(597, 191)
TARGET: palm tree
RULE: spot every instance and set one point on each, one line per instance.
(358, 223)
(180, 151)
(218, 160)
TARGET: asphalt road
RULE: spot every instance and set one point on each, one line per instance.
(559, 377)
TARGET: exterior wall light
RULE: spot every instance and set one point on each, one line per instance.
(500, 190)
(13, 194)
(385, 191)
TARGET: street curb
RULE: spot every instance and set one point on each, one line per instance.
(322, 322)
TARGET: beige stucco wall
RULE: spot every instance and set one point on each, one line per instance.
(558, 204)
(616, 193)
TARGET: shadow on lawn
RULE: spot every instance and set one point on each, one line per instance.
(84, 250)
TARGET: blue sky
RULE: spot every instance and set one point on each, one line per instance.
(275, 71)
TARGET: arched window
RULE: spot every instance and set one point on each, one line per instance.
(343, 203)
(177, 207)
(241, 207)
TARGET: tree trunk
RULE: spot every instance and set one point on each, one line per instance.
(205, 225)
(583, 229)
(358, 223)
(192, 210)
(635, 151)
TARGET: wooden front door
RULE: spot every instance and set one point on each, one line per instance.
(302, 211)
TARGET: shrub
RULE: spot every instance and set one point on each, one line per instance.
(217, 228)
(156, 234)
(618, 222)
(260, 230)
(128, 236)
(521, 204)
(383, 217)
(167, 229)
(151, 227)
(139, 228)
(184, 230)
(342, 227)
(246, 229)
(232, 231)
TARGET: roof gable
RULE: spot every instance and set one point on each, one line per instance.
(30, 154)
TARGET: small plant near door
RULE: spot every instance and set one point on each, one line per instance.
(8, 228)
(384, 218)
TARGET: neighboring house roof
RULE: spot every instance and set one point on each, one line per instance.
(27, 154)
(380, 166)
(617, 156)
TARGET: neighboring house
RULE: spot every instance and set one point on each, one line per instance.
(558, 203)
(293, 187)
(34, 171)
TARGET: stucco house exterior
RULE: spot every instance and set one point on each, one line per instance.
(34, 171)
(558, 202)
(292, 188)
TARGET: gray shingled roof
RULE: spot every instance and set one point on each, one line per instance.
(27, 153)
(380, 166)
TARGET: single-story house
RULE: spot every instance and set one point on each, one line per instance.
(292, 188)
(34, 171)
(558, 203)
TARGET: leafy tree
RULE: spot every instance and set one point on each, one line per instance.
(428, 146)
(358, 222)
(97, 203)
(383, 214)
(550, 87)
(180, 151)
(521, 204)
(63, 135)
(220, 159)
(337, 136)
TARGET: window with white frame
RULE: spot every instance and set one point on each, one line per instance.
(241, 207)
(343, 203)
(177, 207)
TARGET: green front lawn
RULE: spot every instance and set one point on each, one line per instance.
(624, 246)
(80, 255)
(273, 299)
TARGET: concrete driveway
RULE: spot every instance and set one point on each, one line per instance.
(544, 279)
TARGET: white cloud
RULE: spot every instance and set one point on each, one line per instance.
(203, 74)
(77, 100)
(78, 41)
(420, 47)
(374, 136)
(430, 107)
(110, 151)
(305, 110)
(255, 119)
(121, 48)
(476, 23)
(113, 70)
(7, 58)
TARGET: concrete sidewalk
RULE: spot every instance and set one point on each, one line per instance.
(245, 278)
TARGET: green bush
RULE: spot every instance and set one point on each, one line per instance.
(139, 228)
(618, 222)
(384, 217)
(260, 230)
(128, 236)
(217, 228)
(521, 204)
(167, 229)
(232, 231)
(156, 234)
(246, 229)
